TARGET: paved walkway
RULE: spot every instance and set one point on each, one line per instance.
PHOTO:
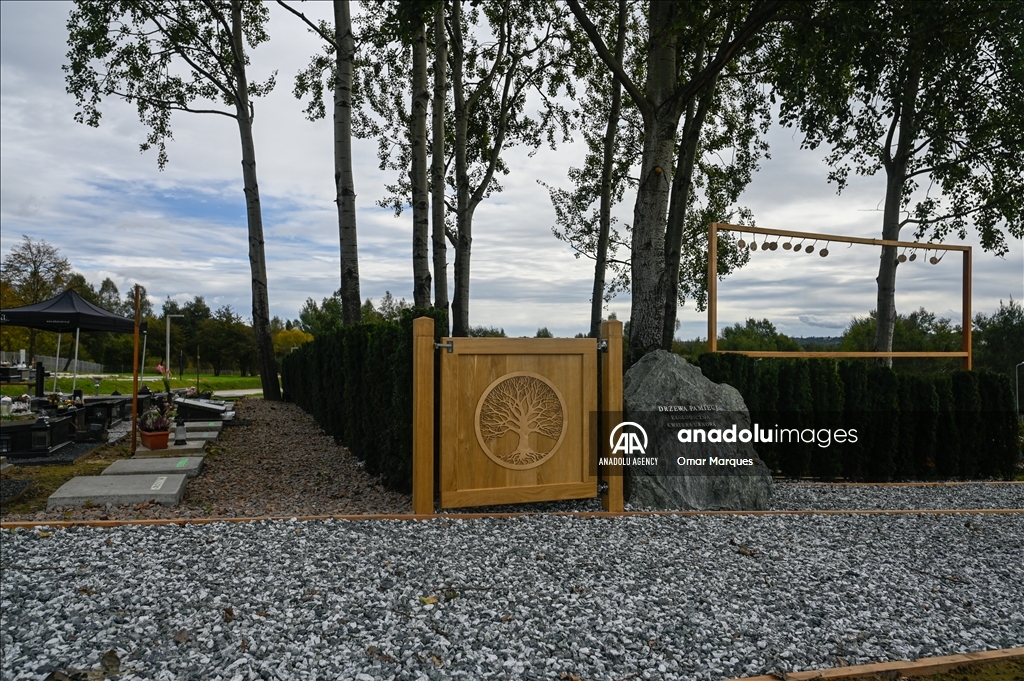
(238, 393)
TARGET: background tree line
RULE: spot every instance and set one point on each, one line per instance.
(997, 339)
(221, 339)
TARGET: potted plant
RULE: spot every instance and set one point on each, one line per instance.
(155, 428)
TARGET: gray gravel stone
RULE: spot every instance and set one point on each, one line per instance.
(523, 598)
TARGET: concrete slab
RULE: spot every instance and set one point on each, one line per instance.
(203, 425)
(238, 393)
(188, 466)
(191, 448)
(4, 465)
(119, 490)
(203, 435)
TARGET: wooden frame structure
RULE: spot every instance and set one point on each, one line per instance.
(442, 462)
(713, 228)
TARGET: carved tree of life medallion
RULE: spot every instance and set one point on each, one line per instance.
(520, 404)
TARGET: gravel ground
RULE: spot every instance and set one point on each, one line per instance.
(542, 597)
(793, 497)
(12, 489)
(278, 464)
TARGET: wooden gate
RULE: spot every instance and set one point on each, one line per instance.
(517, 418)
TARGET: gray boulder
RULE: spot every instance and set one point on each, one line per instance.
(664, 394)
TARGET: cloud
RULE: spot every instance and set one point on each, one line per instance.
(831, 323)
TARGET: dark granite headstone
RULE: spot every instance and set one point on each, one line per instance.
(666, 395)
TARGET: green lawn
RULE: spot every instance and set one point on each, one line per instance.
(123, 384)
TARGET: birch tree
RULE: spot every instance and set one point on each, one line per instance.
(674, 29)
(333, 70)
(170, 56)
(438, 106)
(930, 94)
(498, 52)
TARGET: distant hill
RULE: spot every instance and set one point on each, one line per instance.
(810, 342)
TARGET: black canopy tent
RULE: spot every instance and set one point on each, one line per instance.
(65, 312)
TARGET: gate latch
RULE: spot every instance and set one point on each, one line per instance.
(602, 345)
(449, 346)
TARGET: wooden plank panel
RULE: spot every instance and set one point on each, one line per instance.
(476, 365)
(841, 239)
(516, 495)
(449, 421)
(966, 302)
(521, 346)
(611, 403)
(423, 415)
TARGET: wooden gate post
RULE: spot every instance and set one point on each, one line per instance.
(423, 416)
(611, 403)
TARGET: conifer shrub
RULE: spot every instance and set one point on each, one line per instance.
(827, 404)
(903, 461)
(882, 433)
(947, 434)
(998, 437)
(854, 377)
(356, 381)
(967, 401)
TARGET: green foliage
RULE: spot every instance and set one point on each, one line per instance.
(755, 335)
(486, 332)
(162, 57)
(796, 411)
(882, 433)
(318, 320)
(357, 383)
(225, 340)
(919, 409)
(998, 340)
(998, 437)
(828, 400)
(947, 432)
(967, 401)
(909, 426)
(544, 333)
(931, 92)
(854, 377)
(919, 331)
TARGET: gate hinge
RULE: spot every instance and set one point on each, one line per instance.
(449, 346)
(602, 345)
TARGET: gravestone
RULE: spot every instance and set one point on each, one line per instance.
(190, 448)
(666, 395)
(201, 410)
(189, 466)
(166, 489)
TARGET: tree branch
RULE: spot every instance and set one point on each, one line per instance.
(609, 59)
(165, 104)
(326, 36)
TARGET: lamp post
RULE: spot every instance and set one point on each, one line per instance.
(167, 343)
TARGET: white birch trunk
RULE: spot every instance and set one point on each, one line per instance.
(343, 178)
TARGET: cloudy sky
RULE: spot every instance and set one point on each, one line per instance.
(182, 232)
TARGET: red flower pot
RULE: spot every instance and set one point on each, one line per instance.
(156, 439)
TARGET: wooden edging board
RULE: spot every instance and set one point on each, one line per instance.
(904, 668)
(950, 483)
(476, 516)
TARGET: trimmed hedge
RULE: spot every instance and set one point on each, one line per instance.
(910, 427)
(356, 381)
